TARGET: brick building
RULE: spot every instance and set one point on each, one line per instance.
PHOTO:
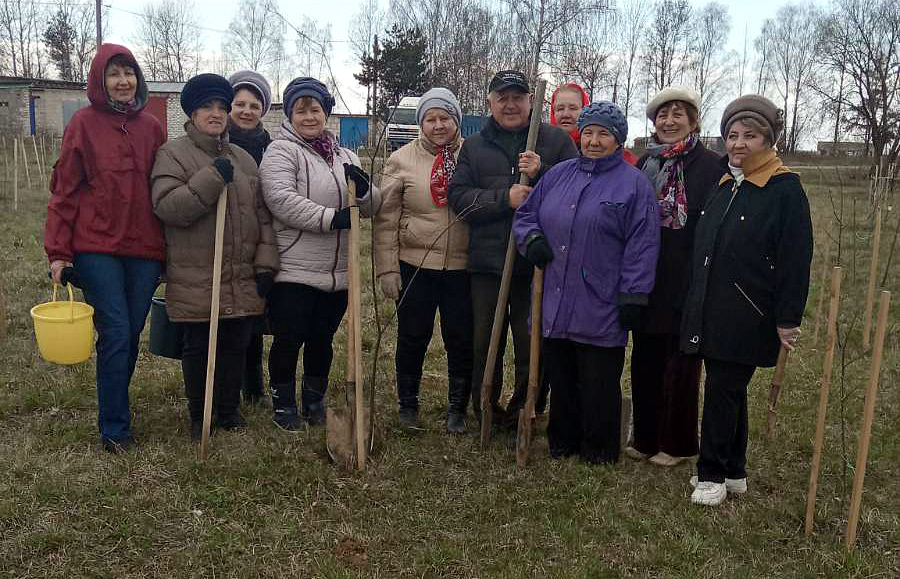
(31, 106)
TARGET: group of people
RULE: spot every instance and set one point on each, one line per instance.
(703, 260)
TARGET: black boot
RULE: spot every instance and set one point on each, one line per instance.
(284, 404)
(252, 383)
(408, 398)
(313, 399)
(458, 395)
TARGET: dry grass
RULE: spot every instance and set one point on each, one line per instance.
(268, 504)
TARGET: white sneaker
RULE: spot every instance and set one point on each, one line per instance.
(709, 493)
(735, 486)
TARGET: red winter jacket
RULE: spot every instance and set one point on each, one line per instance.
(100, 200)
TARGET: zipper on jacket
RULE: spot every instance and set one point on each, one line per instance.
(746, 297)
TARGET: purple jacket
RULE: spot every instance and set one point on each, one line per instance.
(601, 219)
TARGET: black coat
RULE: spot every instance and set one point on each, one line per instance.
(487, 167)
(750, 272)
(702, 172)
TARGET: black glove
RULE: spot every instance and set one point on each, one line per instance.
(341, 219)
(360, 177)
(67, 275)
(631, 316)
(225, 168)
(538, 251)
(264, 283)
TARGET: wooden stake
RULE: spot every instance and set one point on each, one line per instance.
(15, 175)
(523, 438)
(487, 380)
(826, 262)
(865, 431)
(25, 162)
(2, 314)
(823, 397)
(37, 157)
(221, 208)
(354, 283)
(775, 389)
(873, 274)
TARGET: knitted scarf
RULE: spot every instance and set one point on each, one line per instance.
(254, 140)
(326, 145)
(665, 168)
(442, 173)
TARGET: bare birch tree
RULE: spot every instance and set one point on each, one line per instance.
(22, 25)
(255, 37)
(632, 24)
(667, 41)
(170, 44)
(710, 60)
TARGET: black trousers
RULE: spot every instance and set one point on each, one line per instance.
(231, 345)
(485, 289)
(723, 431)
(665, 387)
(303, 316)
(586, 401)
(429, 291)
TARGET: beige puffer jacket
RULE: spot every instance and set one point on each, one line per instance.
(186, 189)
(410, 227)
(303, 192)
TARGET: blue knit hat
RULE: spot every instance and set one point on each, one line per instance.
(606, 114)
(204, 88)
(306, 86)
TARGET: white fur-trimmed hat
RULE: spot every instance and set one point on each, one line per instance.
(669, 94)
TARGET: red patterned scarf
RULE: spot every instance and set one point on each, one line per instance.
(665, 168)
(442, 173)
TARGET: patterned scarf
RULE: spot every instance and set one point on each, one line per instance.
(442, 173)
(665, 168)
(326, 145)
(123, 108)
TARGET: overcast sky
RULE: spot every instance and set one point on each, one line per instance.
(215, 15)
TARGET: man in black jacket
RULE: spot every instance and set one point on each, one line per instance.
(485, 192)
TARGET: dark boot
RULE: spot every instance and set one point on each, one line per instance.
(284, 404)
(313, 399)
(408, 398)
(252, 384)
(458, 396)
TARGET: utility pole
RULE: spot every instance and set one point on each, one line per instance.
(99, 24)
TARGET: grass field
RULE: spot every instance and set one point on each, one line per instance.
(269, 504)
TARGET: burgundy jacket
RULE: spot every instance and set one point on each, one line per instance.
(100, 187)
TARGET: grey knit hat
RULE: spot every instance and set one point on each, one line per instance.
(439, 98)
(606, 114)
(669, 94)
(255, 81)
(756, 107)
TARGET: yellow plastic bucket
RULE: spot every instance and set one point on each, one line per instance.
(64, 330)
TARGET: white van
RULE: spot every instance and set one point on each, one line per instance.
(402, 126)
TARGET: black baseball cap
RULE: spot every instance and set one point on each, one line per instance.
(505, 79)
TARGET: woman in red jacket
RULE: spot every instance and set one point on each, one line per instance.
(101, 233)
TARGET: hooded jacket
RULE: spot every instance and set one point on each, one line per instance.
(303, 192)
(186, 190)
(100, 186)
(750, 267)
(410, 227)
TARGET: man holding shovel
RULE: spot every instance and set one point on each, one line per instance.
(486, 192)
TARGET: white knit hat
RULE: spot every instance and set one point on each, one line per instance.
(669, 94)
(439, 98)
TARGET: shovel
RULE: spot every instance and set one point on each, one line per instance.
(346, 429)
(487, 381)
(213, 322)
(775, 390)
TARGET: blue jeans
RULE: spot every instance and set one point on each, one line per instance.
(119, 289)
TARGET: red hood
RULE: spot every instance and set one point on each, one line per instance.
(96, 85)
(584, 101)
